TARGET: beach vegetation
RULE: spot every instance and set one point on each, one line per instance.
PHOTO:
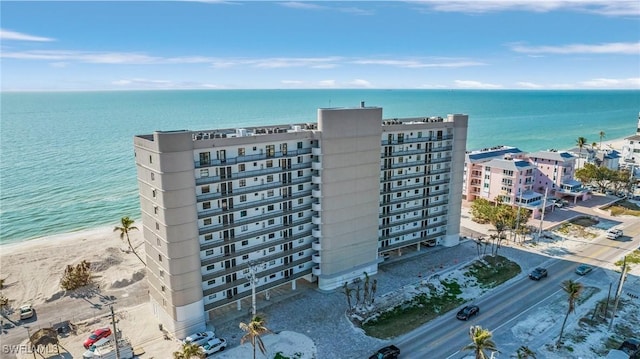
(77, 276)
(602, 135)
(481, 341)
(604, 178)
(126, 227)
(524, 352)
(189, 351)
(254, 330)
(503, 217)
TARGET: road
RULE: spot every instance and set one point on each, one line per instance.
(501, 308)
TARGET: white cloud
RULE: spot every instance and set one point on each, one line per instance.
(469, 84)
(360, 83)
(630, 83)
(292, 82)
(417, 64)
(12, 35)
(150, 84)
(601, 7)
(529, 85)
(626, 48)
(327, 83)
(316, 6)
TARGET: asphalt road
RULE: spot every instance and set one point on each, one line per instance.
(501, 308)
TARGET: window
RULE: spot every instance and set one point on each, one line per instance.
(271, 221)
(269, 163)
(243, 182)
(211, 267)
(206, 205)
(212, 296)
(161, 274)
(241, 167)
(300, 187)
(243, 198)
(271, 150)
(300, 173)
(205, 158)
(209, 252)
(243, 213)
(244, 228)
(157, 226)
(207, 221)
(245, 242)
(208, 237)
(300, 201)
(299, 145)
(153, 193)
(150, 159)
(211, 282)
(272, 249)
(270, 193)
(159, 257)
(300, 214)
(158, 241)
(206, 189)
(270, 178)
(153, 176)
(155, 209)
(163, 288)
(241, 151)
(270, 207)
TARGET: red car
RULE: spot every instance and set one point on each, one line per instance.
(96, 335)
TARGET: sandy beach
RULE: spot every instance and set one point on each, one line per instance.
(32, 271)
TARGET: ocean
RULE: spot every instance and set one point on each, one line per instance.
(67, 161)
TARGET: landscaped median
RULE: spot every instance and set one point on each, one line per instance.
(434, 296)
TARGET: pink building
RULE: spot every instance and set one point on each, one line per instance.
(555, 173)
(476, 182)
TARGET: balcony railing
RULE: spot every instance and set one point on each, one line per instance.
(250, 158)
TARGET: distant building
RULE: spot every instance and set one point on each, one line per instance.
(606, 157)
(477, 179)
(631, 149)
(318, 201)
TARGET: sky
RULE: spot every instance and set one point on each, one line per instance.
(434, 44)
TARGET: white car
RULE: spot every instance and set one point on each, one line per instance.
(614, 233)
(26, 311)
(199, 338)
(213, 346)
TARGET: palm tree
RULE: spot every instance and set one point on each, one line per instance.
(127, 226)
(480, 341)
(581, 142)
(254, 330)
(602, 135)
(524, 352)
(188, 351)
(573, 290)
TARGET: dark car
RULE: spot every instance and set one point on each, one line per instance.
(388, 352)
(468, 312)
(631, 347)
(96, 335)
(538, 273)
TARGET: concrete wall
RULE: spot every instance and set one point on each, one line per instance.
(460, 125)
(350, 193)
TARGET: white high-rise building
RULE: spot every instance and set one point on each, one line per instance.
(319, 201)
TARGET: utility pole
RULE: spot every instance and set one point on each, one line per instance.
(115, 333)
(252, 276)
(619, 291)
(518, 214)
(544, 206)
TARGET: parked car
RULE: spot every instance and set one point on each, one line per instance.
(538, 273)
(468, 312)
(631, 347)
(26, 311)
(583, 269)
(97, 335)
(388, 352)
(614, 233)
(213, 346)
(200, 338)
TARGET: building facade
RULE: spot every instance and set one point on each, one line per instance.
(230, 210)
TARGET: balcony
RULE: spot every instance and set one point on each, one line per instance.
(316, 220)
(316, 193)
(316, 165)
(315, 245)
(316, 259)
(316, 206)
(316, 271)
(316, 180)
(316, 233)
(316, 151)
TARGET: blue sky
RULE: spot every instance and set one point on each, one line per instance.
(475, 44)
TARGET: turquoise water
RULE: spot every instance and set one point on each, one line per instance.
(67, 159)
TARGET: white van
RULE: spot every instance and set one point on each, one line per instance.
(614, 233)
(108, 351)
